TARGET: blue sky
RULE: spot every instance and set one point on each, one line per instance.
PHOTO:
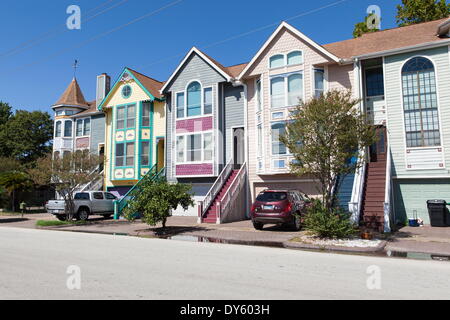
(35, 76)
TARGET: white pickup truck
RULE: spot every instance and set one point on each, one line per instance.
(86, 204)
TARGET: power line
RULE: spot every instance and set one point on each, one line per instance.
(45, 36)
(251, 31)
(102, 34)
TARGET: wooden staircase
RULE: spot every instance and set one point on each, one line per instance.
(374, 195)
(212, 214)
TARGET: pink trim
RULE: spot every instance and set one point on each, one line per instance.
(195, 170)
(195, 125)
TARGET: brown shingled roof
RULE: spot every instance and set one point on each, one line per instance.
(389, 39)
(92, 110)
(72, 96)
(236, 70)
(152, 85)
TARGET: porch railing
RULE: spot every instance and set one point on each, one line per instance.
(215, 189)
(388, 195)
(119, 205)
(231, 196)
(355, 206)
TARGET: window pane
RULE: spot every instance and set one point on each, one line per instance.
(131, 116)
(278, 129)
(58, 129)
(208, 146)
(295, 89)
(194, 102)
(130, 154)
(79, 128)
(277, 92)
(87, 127)
(120, 118)
(120, 153)
(295, 58)
(277, 61)
(194, 148)
(145, 157)
(180, 105)
(68, 129)
(208, 101)
(180, 149)
(146, 114)
(260, 141)
(319, 81)
(258, 95)
(374, 82)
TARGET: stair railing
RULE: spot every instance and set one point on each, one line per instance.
(355, 206)
(231, 195)
(215, 189)
(92, 186)
(387, 198)
(119, 205)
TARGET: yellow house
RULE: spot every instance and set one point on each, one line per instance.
(135, 131)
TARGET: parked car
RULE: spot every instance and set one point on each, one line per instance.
(279, 207)
(86, 204)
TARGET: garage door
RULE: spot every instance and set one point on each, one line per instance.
(412, 195)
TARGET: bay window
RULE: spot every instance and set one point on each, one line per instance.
(145, 153)
(180, 105)
(58, 130)
(126, 117)
(125, 154)
(120, 123)
(68, 129)
(295, 89)
(258, 96)
(277, 93)
(195, 102)
(195, 148)
(286, 90)
(146, 114)
(208, 101)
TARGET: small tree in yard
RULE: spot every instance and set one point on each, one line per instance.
(325, 133)
(154, 201)
(67, 174)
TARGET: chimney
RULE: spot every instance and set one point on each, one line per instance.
(103, 87)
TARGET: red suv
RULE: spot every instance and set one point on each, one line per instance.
(279, 207)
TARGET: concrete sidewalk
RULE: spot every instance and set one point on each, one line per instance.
(425, 239)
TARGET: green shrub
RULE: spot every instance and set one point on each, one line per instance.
(334, 225)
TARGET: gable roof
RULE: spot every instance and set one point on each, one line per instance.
(285, 25)
(73, 96)
(224, 71)
(150, 86)
(390, 39)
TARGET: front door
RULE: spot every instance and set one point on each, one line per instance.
(238, 147)
(379, 149)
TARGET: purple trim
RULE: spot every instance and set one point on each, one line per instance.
(195, 170)
(195, 125)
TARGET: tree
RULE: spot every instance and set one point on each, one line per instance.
(25, 135)
(417, 11)
(67, 174)
(323, 135)
(363, 27)
(155, 199)
(14, 181)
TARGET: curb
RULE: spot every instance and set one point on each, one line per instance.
(306, 246)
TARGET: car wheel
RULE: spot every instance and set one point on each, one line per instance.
(83, 215)
(297, 223)
(258, 226)
(61, 217)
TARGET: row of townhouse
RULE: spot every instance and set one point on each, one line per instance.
(218, 127)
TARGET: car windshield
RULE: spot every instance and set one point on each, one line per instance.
(272, 196)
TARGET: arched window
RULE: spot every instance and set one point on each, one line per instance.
(295, 57)
(420, 103)
(58, 129)
(277, 61)
(194, 99)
